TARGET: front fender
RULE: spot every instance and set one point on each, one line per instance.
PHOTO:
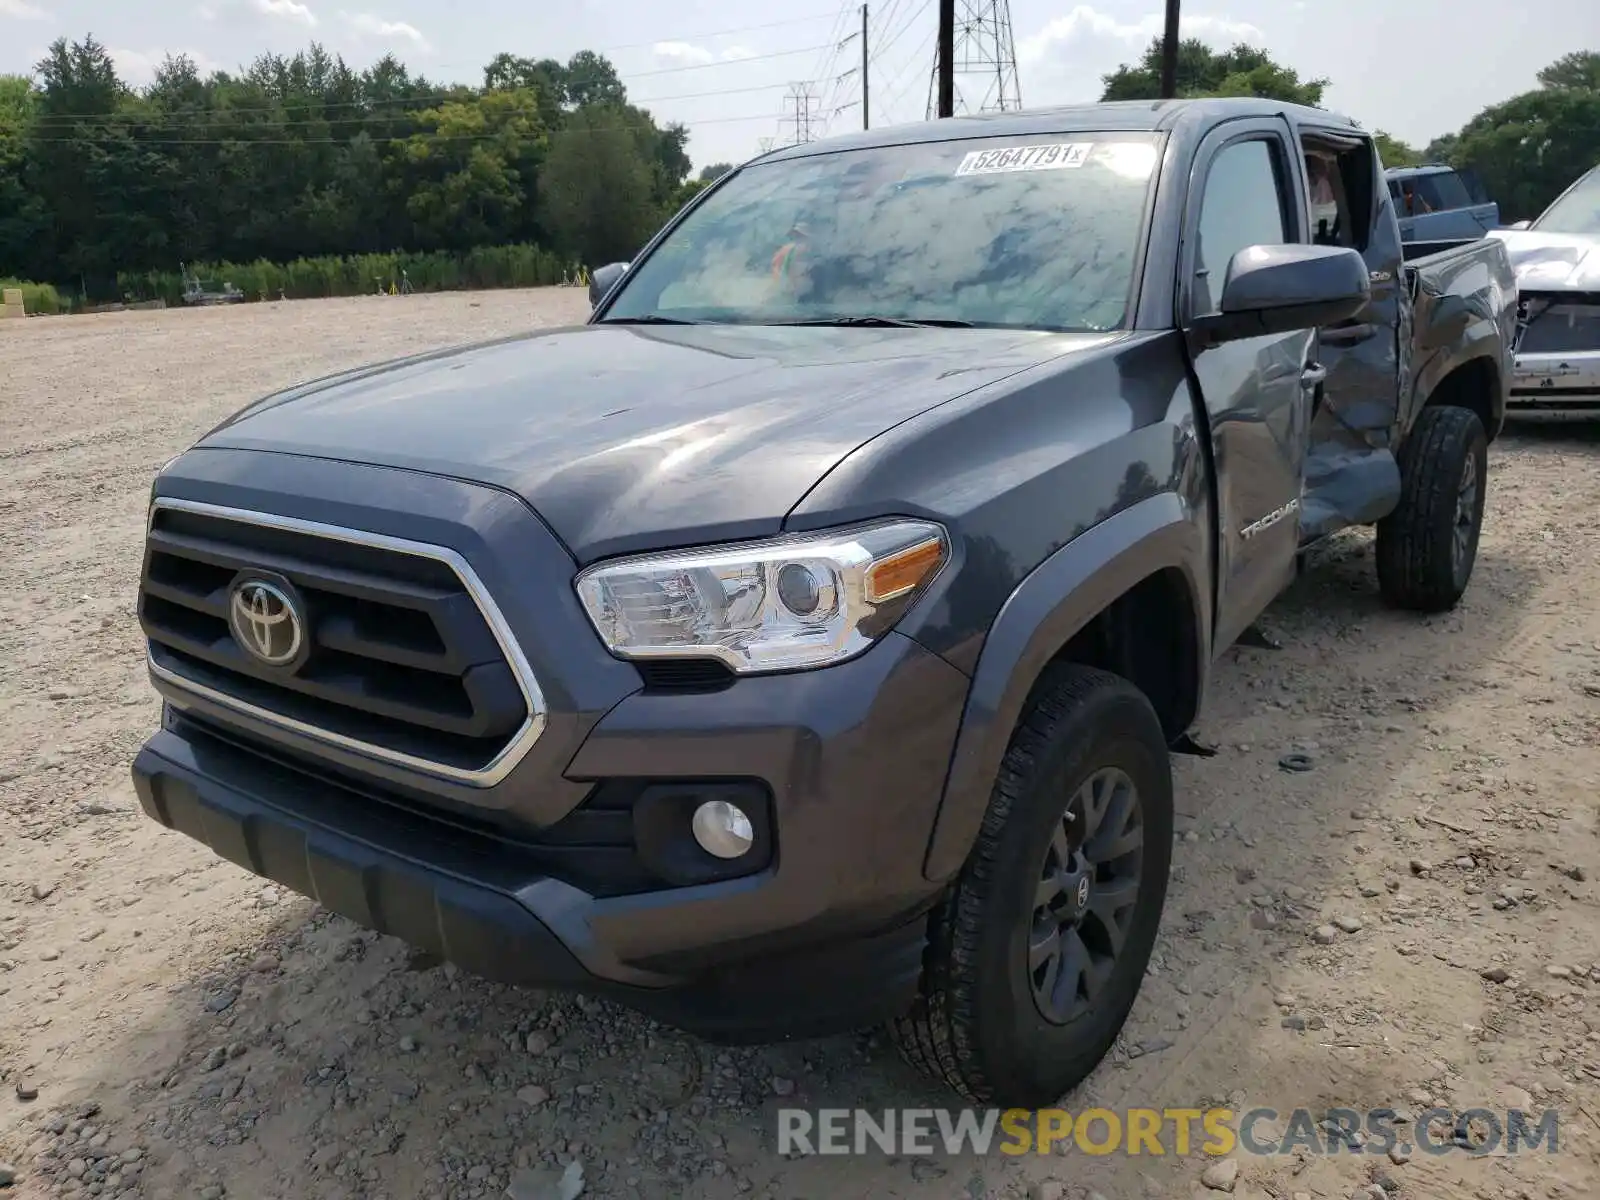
(1465, 310)
(1061, 596)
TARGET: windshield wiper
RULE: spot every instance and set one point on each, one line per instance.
(900, 322)
(648, 319)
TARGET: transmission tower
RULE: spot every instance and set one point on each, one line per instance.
(801, 96)
(985, 58)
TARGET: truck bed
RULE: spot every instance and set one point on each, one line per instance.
(1464, 296)
(1417, 251)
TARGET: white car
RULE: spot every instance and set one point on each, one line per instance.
(1557, 261)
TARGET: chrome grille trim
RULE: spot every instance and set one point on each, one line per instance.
(490, 774)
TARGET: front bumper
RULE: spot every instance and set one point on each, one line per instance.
(827, 937)
(562, 873)
(1556, 382)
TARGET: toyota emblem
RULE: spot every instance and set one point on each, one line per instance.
(266, 622)
(1083, 892)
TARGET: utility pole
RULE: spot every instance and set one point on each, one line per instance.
(947, 58)
(866, 122)
(1169, 54)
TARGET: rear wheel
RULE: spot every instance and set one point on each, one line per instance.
(1037, 954)
(1427, 547)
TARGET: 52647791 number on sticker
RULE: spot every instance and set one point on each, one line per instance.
(1053, 156)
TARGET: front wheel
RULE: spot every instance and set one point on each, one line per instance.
(1036, 955)
(1428, 545)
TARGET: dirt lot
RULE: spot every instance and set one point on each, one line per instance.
(1411, 921)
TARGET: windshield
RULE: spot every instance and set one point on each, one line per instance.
(1026, 233)
(1576, 212)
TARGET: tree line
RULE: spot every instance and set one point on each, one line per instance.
(102, 184)
(1527, 149)
(307, 177)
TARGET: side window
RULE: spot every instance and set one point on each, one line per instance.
(1474, 185)
(1443, 191)
(1342, 185)
(1242, 205)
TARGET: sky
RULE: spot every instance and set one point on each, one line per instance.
(743, 75)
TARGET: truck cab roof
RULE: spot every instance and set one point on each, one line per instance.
(1132, 115)
(1419, 172)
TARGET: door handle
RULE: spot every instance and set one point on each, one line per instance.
(1349, 335)
(1313, 376)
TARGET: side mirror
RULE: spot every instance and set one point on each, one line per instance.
(603, 280)
(1279, 289)
(1518, 225)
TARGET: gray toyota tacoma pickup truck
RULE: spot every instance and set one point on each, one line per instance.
(800, 643)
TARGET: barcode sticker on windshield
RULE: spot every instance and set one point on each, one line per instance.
(1054, 156)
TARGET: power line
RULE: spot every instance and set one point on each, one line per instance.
(912, 76)
(885, 103)
(419, 136)
(455, 93)
(842, 34)
(174, 121)
(883, 18)
(684, 37)
(885, 46)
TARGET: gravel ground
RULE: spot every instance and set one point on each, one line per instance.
(1409, 921)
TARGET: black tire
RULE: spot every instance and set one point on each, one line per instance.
(1428, 545)
(976, 1025)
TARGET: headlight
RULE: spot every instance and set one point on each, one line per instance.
(809, 600)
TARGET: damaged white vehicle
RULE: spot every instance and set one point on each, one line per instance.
(1557, 263)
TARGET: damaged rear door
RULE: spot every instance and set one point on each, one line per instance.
(1352, 477)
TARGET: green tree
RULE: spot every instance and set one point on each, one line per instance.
(712, 172)
(591, 79)
(1442, 149)
(467, 152)
(78, 141)
(1580, 69)
(1243, 70)
(1530, 148)
(23, 215)
(1395, 153)
(546, 77)
(300, 157)
(687, 191)
(596, 187)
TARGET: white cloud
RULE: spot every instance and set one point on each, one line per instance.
(22, 10)
(370, 25)
(689, 54)
(291, 11)
(138, 67)
(682, 52)
(1085, 24)
(285, 10)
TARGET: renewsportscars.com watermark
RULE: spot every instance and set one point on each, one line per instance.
(1215, 1132)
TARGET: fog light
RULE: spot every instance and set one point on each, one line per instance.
(722, 829)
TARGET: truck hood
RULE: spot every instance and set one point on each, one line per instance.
(1552, 262)
(627, 437)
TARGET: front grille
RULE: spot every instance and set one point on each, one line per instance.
(401, 660)
(1558, 323)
